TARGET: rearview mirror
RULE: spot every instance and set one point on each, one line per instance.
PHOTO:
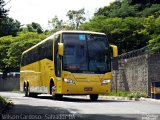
(115, 57)
(60, 49)
(115, 50)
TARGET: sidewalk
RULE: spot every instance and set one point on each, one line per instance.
(150, 100)
(133, 99)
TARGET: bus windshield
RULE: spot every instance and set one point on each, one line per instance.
(86, 53)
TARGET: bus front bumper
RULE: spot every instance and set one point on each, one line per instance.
(83, 88)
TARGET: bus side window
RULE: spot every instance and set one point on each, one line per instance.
(23, 62)
(57, 61)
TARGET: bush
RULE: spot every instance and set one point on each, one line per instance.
(128, 94)
(3, 103)
(119, 93)
(136, 95)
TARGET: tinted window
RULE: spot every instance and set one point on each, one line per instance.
(42, 51)
(86, 53)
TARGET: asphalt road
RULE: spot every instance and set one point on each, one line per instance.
(78, 108)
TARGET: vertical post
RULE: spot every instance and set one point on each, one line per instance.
(116, 80)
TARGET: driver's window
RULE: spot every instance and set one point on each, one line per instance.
(57, 61)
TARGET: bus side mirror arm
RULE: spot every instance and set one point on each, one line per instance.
(115, 50)
(115, 57)
(60, 49)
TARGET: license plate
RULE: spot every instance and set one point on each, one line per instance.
(88, 89)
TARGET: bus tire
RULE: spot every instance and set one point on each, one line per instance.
(26, 90)
(27, 93)
(33, 94)
(58, 96)
(52, 92)
(94, 97)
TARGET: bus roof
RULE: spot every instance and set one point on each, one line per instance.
(60, 32)
(76, 31)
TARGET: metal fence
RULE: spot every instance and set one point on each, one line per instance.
(134, 53)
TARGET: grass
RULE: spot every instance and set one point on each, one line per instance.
(128, 94)
(136, 95)
(119, 93)
(3, 103)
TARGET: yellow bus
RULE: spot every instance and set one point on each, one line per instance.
(68, 63)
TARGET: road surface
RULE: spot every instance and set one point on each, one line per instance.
(78, 108)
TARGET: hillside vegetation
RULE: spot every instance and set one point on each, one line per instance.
(129, 24)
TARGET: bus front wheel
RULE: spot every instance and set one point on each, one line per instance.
(55, 96)
(58, 96)
(94, 97)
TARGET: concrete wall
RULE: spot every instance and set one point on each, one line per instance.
(10, 83)
(137, 73)
(154, 67)
(134, 74)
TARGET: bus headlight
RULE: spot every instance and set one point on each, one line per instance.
(106, 81)
(69, 81)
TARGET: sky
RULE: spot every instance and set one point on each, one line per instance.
(40, 11)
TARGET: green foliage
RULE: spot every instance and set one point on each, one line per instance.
(153, 10)
(127, 33)
(144, 2)
(3, 103)
(4, 46)
(9, 26)
(76, 17)
(136, 95)
(154, 44)
(119, 93)
(33, 27)
(11, 48)
(129, 24)
(153, 25)
(129, 8)
(3, 11)
(128, 94)
(56, 24)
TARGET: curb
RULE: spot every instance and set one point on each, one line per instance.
(114, 98)
(150, 100)
(128, 99)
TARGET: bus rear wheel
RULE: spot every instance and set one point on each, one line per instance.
(29, 94)
(26, 91)
(94, 97)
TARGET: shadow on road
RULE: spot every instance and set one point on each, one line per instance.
(28, 112)
(79, 99)
(110, 117)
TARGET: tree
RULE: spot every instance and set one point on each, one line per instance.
(130, 24)
(11, 48)
(153, 27)
(145, 1)
(33, 27)
(76, 17)
(56, 24)
(107, 10)
(4, 46)
(130, 8)
(37, 27)
(9, 26)
(128, 33)
(3, 11)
